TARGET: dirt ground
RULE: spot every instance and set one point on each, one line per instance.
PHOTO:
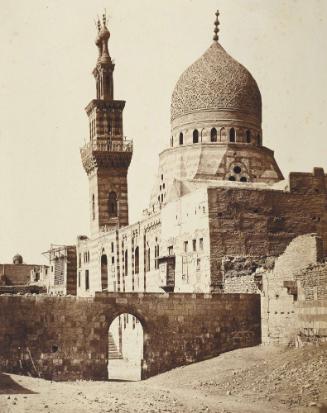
(252, 380)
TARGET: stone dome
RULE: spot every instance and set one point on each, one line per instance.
(218, 83)
(17, 259)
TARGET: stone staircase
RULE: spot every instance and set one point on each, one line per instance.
(114, 353)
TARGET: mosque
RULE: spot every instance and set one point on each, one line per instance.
(218, 191)
(245, 246)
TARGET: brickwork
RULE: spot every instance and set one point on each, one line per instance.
(71, 341)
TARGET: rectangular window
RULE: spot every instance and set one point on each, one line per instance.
(194, 244)
(112, 260)
(185, 246)
(198, 264)
(79, 278)
(201, 244)
(170, 250)
(79, 260)
(87, 280)
(112, 247)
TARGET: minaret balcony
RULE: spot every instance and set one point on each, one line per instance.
(107, 154)
(107, 146)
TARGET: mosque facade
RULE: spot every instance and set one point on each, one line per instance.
(218, 191)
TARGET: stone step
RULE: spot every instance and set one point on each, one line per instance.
(114, 353)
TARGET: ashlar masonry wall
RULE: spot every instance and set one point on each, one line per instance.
(262, 222)
(66, 338)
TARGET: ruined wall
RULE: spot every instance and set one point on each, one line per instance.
(257, 222)
(66, 338)
(286, 287)
(312, 303)
(240, 273)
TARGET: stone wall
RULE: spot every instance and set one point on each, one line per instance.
(255, 222)
(286, 288)
(240, 273)
(312, 303)
(66, 338)
(16, 274)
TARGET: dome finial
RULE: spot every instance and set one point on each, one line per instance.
(216, 29)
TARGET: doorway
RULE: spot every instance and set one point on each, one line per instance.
(125, 348)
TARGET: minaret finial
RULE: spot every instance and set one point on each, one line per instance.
(104, 18)
(216, 29)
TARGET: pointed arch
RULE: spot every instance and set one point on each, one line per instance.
(213, 135)
(195, 136)
(232, 135)
(222, 135)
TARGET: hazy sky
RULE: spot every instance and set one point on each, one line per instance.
(48, 53)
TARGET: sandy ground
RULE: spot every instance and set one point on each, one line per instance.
(258, 379)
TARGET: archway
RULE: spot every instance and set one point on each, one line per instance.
(125, 348)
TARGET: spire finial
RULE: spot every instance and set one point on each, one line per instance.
(216, 29)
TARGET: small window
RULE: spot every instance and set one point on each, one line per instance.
(185, 246)
(195, 136)
(79, 278)
(243, 179)
(126, 263)
(148, 260)
(112, 204)
(87, 280)
(112, 247)
(232, 178)
(112, 260)
(237, 169)
(172, 141)
(194, 244)
(156, 256)
(198, 264)
(248, 136)
(181, 139)
(170, 250)
(79, 260)
(201, 244)
(93, 207)
(232, 135)
(137, 260)
(213, 135)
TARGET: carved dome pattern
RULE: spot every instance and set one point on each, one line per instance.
(216, 81)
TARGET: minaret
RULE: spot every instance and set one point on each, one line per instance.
(107, 155)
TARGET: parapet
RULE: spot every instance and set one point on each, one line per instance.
(308, 183)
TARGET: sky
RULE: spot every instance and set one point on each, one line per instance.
(46, 62)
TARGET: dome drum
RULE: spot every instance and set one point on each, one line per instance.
(214, 134)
